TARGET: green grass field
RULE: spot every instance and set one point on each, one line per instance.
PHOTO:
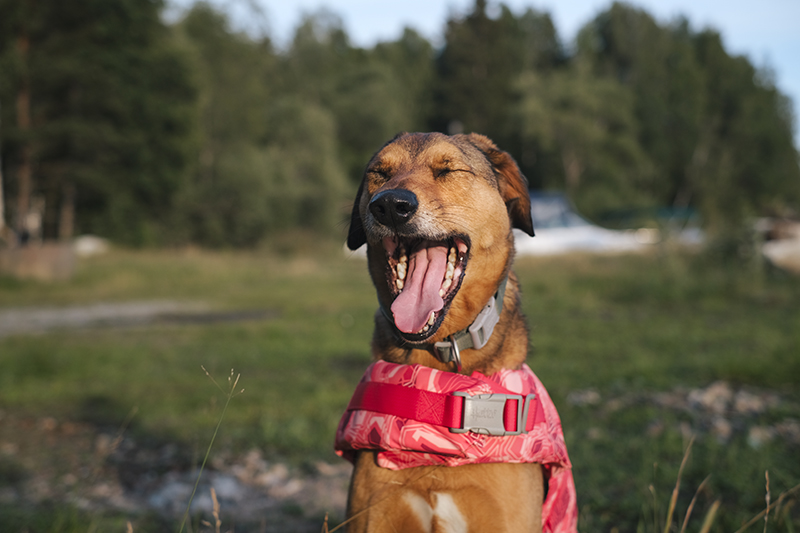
(629, 330)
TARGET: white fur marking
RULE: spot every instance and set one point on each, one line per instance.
(421, 509)
(450, 517)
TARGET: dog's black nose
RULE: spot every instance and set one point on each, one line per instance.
(393, 207)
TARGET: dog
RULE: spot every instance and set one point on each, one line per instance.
(437, 214)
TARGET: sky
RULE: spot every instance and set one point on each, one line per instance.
(767, 31)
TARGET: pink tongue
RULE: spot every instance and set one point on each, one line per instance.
(420, 295)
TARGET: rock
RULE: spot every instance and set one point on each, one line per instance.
(228, 487)
(48, 424)
(167, 497)
(583, 397)
(721, 428)
(759, 435)
(715, 398)
(292, 487)
(789, 429)
(276, 475)
(103, 445)
(747, 403)
(90, 245)
(328, 470)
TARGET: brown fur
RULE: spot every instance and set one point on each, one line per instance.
(466, 186)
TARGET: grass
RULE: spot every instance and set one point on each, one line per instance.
(626, 327)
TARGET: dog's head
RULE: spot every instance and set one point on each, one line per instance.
(436, 212)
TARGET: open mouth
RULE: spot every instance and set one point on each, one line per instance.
(423, 277)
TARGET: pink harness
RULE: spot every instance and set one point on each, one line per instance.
(418, 416)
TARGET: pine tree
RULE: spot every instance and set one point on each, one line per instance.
(111, 105)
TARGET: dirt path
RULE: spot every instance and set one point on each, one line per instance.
(31, 320)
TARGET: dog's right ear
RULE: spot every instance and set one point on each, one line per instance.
(356, 236)
(513, 184)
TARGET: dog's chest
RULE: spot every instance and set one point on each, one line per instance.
(441, 514)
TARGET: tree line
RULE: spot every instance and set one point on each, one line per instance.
(117, 123)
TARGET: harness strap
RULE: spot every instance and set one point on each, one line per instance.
(502, 414)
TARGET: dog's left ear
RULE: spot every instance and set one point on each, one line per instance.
(513, 184)
(356, 236)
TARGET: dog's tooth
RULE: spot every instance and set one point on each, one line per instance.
(441, 293)
(452, 256)
(399, 283)
(426, 328)
(401, 271)
(432, 318)
(450, 270)
(445, 286)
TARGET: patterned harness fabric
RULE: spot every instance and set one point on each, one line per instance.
(405, 442)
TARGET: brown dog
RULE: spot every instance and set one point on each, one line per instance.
(437, 214)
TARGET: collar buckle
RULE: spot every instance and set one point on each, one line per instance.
(485, 413)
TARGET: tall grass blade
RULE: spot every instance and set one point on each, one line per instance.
(708, 521)
(691, 504)
(231, 392)
(674, 499)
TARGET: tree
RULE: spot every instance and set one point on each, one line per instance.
(411, 62)
(477, 75)
(269, 155)
(717, 132)
(745, 162)
(589, 125)
(111, 105)
(476, 71)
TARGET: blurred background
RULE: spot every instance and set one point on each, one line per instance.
(175, 185)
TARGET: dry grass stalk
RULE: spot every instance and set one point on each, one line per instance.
(325, 524)
(215, 513)
(691, 504)
(779, 501)
(766, 498)
(710, 515)
(674, 499)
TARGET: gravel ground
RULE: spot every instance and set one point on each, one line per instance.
(46, 460)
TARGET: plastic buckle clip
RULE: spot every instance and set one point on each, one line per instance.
(484, 324)
(483, 413)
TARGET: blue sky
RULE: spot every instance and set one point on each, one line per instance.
(768, 31)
